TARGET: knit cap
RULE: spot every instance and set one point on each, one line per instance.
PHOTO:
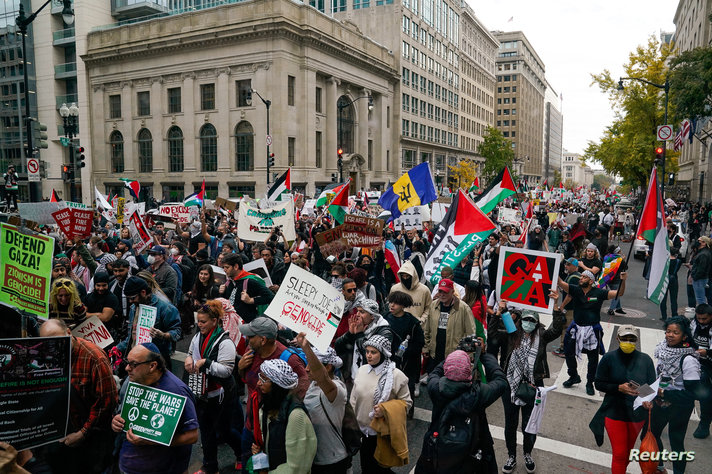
(457, 366)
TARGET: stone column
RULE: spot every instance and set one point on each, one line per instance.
(223, 125)
(155, 124)
(190, 142)
(331, 126)
(128, 132)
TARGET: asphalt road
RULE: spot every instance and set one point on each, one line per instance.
(564, 444)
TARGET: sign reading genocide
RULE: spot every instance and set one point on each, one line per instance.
(146, 320)
(151, 413)
(525, 278)
(25, 269)
(34, 390)
(305, 303)
(93, 330)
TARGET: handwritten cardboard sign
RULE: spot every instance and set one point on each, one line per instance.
(151, 413)
(146, 320)
(178, 212)
(365, 232)
(306, 303)
(225, 204)
(525, 278)
(93, 330)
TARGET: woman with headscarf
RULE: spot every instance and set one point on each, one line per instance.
(283, 430)
(210, 362)
(325, 402)
(376, 382)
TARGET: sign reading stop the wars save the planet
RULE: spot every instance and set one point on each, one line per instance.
(525, 278)
(151, 413)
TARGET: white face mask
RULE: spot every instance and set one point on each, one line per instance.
(151, 259)
(174, 251)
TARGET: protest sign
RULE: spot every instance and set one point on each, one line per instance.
(151, 413)
(438, 211)
(81, 222)
(76, 205)
(219, 274)
(194, 212)
(25, 269)
(571, 219)
(93, 330)
(256, 224)
(40, 212)
(525, 278)
(330, 241)
(131, 207)
(146, 320)
(34, 390)
(364, 232)
(258, 267)
(306, 303)
(120, 206)
(309, 208)
(63, 218)
(177, 212)
(509, 216)
(410, 218)
(552, 217)
(225, 204)
(139, 233)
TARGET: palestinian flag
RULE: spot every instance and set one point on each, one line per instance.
(328, 193)
(339, 206)
(561, 185)
(196, 199)
(134, 187)
(501, 188)
(545, 183)
(652, 228)
(475, 185)
(54, 197)
(282, 185)
(463, 227)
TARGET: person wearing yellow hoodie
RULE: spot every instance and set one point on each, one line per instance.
(410, 284)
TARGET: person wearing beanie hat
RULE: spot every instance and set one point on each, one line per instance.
(105, 305)
(457, 367)
(378, 383)
(584, 334)
(289, 439)
(526, 364)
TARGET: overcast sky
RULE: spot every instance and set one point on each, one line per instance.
(575, 39)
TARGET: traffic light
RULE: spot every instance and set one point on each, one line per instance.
(671, 179)
(270, 160)
(340, 152)
(67, 172)
(659, 159)
(39, 135)
(79, 157)
(333, 177)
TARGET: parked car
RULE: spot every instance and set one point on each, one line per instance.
(640, 245)
(640, 248)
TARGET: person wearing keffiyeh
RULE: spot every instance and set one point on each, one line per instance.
(376, 382)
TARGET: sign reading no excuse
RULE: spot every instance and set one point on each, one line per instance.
(525, 278)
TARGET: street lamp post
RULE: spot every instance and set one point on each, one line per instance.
(268, 139)
(666, 88)
(341, 105)
(22, 23)
(70, 119)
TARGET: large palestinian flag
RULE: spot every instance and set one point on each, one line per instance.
(652, 228)
(501, 188)
(462, 228)
(339, 206)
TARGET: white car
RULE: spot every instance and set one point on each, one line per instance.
(640, 248)
(640, 245)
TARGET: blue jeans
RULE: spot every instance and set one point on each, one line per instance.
(616, 302)
(698, 286)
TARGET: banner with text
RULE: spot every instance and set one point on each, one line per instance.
(305, 303)
(525, 278)
(255, 224)
(178, 212)
(364, 232)
(151, 413)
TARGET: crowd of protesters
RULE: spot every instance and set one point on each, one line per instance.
(283, 406)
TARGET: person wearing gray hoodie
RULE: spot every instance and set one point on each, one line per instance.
(410, 284)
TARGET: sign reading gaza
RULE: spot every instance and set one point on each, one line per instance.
(305, 303)
(525, 278)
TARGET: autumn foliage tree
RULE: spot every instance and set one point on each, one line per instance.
(463, 173)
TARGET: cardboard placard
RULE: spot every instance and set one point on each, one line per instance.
(525, 278)
(146, 319)
(259, 268)
(120, 206)
(25, 269)
(139, 233)
(93, 330)
(225, 204)
(151, 413)
(35, 380)
(364, 232)
(305, 303)
(255, 224)
(177, 212)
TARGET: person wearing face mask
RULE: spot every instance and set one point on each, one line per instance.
(410, 284)
(619, 374)
(165, 275)
(525, 363)
(103, 303)
(585, 333)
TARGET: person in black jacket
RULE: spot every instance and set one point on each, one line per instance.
(619, 374)
(700, 269)
(244, 290)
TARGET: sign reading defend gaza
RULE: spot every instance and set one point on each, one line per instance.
(151, 413)
(25, 269)
(525, 278)
(306, 303)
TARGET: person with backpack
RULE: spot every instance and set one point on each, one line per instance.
(325, 402)
(463, 443)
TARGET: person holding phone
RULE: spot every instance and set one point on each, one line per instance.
(620, 375)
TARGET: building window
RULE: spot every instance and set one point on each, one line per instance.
(243, 90)
(291, 85)
(317, 100)
(174, 100)
(317, 150)
(408, 160)
(291, 145)
(143, 99)
(207, 97)
(240, 190)
(244, 147)
(145, 151)
(208, 148)
(175, 149)
(114, 106)
(346, 113)
(116, 142)
(211, 190)
(174, 192)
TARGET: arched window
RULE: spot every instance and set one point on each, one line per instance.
(244, 147)
(345, 109)
(175, 150)
(116, 142)
(145, 151)
(208, 148)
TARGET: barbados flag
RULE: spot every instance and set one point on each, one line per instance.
(414, 188)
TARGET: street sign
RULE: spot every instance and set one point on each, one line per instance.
(64, 141)
(664, 133)
(269, 140)
(33, 169)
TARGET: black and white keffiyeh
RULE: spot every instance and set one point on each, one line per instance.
(384, 370)
(279, 372)
(669, 359)
(521, 364)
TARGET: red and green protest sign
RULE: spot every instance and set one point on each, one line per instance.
(525, 278)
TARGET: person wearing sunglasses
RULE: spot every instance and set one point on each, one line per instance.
(65, 304)
(352, 298)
